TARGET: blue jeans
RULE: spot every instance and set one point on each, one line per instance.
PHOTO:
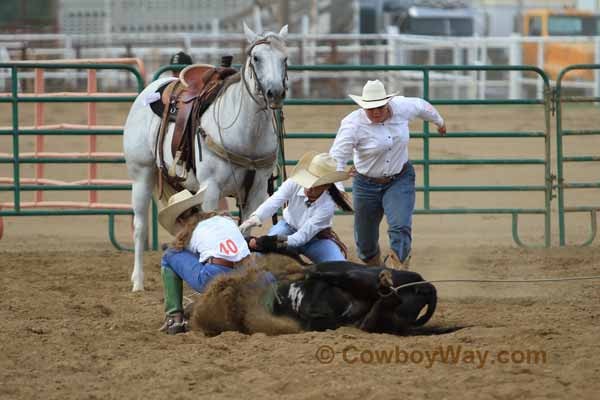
(317, 250)
(196, 274)
(395, 200)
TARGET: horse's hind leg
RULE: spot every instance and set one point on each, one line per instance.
(140, 199)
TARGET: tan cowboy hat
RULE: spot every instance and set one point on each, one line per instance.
(373, 95)
(316, 169)
(177, 205)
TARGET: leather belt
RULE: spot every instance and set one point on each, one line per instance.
(221, 261)
(384, 180)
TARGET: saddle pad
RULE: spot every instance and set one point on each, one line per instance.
(157, 106)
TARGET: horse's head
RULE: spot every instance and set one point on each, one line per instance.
(267, 62)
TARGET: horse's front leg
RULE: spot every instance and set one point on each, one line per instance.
(212, 195)
(258, 192)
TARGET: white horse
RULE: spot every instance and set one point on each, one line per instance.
(240, 121)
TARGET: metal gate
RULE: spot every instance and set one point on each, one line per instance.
(39, 157)
(561, 159)
(552, 100)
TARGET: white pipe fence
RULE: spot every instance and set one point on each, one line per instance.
(306, 48)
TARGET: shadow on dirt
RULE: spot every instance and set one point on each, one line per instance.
(437, 330)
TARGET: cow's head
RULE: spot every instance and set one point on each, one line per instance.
(396, 311)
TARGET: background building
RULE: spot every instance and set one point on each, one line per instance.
(24, 16)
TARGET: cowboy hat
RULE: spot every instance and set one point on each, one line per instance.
(177, 205)
(316, 169)
(373, 95)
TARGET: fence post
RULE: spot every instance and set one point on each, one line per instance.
(456, 59)
(515, 76)
(483, 73)
(305, 75)
(540, 64)
(597, 71)
(471, 59)
(15, 139)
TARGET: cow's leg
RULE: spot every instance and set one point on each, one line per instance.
(141, 195)
(370, 322)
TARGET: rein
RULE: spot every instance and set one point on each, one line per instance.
(256, 84)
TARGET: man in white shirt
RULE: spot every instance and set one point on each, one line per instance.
(376, 138)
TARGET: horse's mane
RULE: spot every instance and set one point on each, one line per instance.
(271, 35)
(278, 42)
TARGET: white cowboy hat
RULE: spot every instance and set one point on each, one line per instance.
(373, 95)
(177, 205)
(316, 169)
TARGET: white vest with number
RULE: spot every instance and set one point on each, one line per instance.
(218, 237)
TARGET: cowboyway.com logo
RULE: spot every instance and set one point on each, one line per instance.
(451, 355)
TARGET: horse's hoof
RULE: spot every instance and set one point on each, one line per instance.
(138, 284)
(138, 287)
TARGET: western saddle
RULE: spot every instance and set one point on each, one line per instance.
(184, 101)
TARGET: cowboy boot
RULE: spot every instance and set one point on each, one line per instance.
(392, 261)
(374, 261)
(173, 292)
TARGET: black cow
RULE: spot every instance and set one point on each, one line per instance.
(340, 293)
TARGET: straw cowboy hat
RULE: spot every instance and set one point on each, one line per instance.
(373, 95)
(316, 169)
(177, 205)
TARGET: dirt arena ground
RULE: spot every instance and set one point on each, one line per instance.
(73, 330)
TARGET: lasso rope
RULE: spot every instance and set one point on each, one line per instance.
(395, 289)
(540, 280)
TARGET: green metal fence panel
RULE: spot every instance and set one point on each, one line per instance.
(16, 160)
(561, 159)
(427, 162)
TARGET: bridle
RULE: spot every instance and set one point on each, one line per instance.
(263, 106)
(258, 88)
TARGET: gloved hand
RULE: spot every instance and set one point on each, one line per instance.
(249, 224)
(442, 130)
(268, 244)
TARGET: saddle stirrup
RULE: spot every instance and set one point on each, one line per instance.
(178, 161)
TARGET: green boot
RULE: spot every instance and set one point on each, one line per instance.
(173, 291)
(268, 299)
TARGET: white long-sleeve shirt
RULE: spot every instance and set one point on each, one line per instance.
(219, 237)
(380, 149)
(307, 221)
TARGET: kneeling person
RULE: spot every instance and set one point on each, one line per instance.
(206, 244)
(312, 196)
